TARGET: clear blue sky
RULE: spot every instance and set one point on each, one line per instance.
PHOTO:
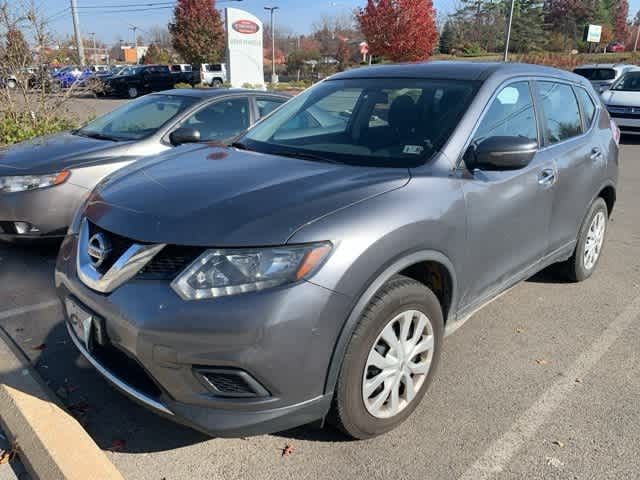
(298, 15)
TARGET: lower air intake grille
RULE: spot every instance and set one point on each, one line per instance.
(231, 383)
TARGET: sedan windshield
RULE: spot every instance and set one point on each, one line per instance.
(630, 82)
(375, 122)
(137, 119)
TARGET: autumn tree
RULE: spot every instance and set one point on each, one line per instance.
(197, 31)
(620, 12)
(343, 56)
(16, 51)
(155, 54)
(400, 30)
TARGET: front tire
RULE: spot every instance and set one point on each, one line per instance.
(390, 360)
(132, 92)
(590, 242)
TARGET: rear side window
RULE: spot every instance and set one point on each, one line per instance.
(214, 67)
(267, 105)
(588, 107)
(511, 114)
(561, 114)
(596, 74)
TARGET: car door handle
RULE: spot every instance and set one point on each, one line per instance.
(596, 154)
(547, 177)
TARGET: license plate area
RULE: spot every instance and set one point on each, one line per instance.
(86, 325)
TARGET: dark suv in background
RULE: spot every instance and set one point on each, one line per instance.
(313, 269)
(140, 80)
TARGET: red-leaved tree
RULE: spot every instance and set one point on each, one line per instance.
(620, 14)
(197, 32)
(399, 30)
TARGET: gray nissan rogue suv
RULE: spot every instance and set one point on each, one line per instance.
(313, 269)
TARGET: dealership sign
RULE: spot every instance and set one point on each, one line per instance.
(593, 33)
(244, 48)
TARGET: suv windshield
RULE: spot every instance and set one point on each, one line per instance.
(375, 122)
(630, 82)
(137, 119)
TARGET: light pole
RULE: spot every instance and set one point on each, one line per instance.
(93, 36)
(635, 45)
(274, 77)
(508, 34)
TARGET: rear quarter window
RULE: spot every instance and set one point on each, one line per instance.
(588, 106)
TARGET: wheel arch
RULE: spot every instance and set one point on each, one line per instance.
(426, 267)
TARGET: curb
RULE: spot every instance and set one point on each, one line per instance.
(51, 443)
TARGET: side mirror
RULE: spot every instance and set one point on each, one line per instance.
(503, 153)
(184, 135)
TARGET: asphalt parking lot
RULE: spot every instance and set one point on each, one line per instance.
(542, 383)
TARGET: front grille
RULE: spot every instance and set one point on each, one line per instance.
(167, 264)
(629, 129)
(119, 245)
(126, 369)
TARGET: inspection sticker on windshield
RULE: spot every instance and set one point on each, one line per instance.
(413, 149)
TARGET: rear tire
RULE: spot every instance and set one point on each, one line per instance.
(132, 92)
(590, 242)
(216, 83)
(402, 331)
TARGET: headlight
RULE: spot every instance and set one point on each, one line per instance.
(218, 273)
(31, 182)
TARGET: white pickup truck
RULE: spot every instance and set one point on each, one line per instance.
(213, 74)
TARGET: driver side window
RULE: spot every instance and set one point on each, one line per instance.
(221, 120)
(511, 114)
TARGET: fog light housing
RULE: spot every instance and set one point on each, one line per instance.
(24, 228)
(227, 382)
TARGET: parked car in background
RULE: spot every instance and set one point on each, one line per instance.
(312, 270)
(140, 80)
(623, 102)
(603, 75)
(213, 74)
(43, 181)
(616, 47)
(184, 73)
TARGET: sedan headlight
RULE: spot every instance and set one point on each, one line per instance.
(21, 183)
(218, 273)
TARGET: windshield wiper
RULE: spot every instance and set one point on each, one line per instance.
(96, 135)
(240, 146)
(304, 156)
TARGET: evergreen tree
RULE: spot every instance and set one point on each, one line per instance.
(526, 32)
(447, 38)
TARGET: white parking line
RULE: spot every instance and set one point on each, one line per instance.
(29, 308)
(498, 455)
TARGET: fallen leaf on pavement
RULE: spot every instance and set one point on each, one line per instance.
(7, 455)
(42, 346)
(578, 380)
(117, 444)
(519, 330)
(541, 361)
(558, 443)
(79, 407)
(287, 450)
(554, 462)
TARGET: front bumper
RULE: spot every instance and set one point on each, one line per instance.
(50, 210)
(626, 124)
(283, 338)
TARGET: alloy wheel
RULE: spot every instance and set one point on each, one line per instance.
(595, 239)
(398, 364)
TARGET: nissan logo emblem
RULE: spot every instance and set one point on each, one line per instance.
(98, 249)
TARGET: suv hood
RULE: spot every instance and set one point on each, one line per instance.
(53, 153)
(223, 197)
(621, 98)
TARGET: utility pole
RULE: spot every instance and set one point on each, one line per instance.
(76, 31)
(508, 34)
(635, 45)
(274, 77)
